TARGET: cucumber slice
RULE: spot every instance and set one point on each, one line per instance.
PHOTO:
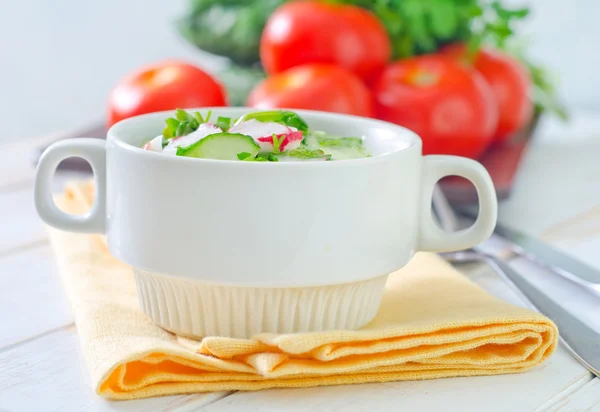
(222, 146)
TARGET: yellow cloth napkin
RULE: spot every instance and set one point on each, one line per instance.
(432, 323)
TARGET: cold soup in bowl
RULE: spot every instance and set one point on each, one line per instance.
(270, 136)
(241, 222)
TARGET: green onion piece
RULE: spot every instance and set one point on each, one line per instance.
(223, 123)
(182, 115)
(171, 128)
(181, 129)
(277, 143)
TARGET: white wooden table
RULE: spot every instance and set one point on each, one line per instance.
(557, 196)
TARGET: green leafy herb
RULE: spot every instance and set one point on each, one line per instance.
(261, 157)
(287, 118)
(185, 128)
(223, 123)
(183, 123)
(422, 26)
(350, 142)
(306, 153)
(182, 115)
(494, 25)
(171, 128)
(200, 119)
(243, 155)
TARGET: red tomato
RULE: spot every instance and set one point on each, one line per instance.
(510, 84)
(316, 87)
(304, 32)
(163, 86)
(449, 105)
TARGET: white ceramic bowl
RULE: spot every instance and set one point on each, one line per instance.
(237, 248)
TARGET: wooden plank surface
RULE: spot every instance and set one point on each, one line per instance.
(47, 374)
(16, 169)
(32, 298)
(20, 225)
(586, 399)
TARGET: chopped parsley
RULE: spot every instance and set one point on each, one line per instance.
(243, 155)
(183, 123)
(261, 157)
(223, 123)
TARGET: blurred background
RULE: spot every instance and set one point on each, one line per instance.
(72, 68)
(60, 59)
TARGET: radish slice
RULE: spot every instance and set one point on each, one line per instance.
(290, 141)
(201, 132)
(263, 133)
(154, 145)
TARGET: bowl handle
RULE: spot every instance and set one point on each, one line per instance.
(94, 152)
(431, 237)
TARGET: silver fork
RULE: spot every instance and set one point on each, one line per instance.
(579, 339)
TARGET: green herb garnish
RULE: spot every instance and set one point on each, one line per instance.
(200, 119)
(266, 157)
(183, 123)
(305, 153)
(223, 123)
(171, 128)
(182, 115)
(261, 157)
(185, 127)
(287, 118)
(277, 142)
(243, 155)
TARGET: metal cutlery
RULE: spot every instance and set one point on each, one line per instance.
(579, 339)
(543, 255)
